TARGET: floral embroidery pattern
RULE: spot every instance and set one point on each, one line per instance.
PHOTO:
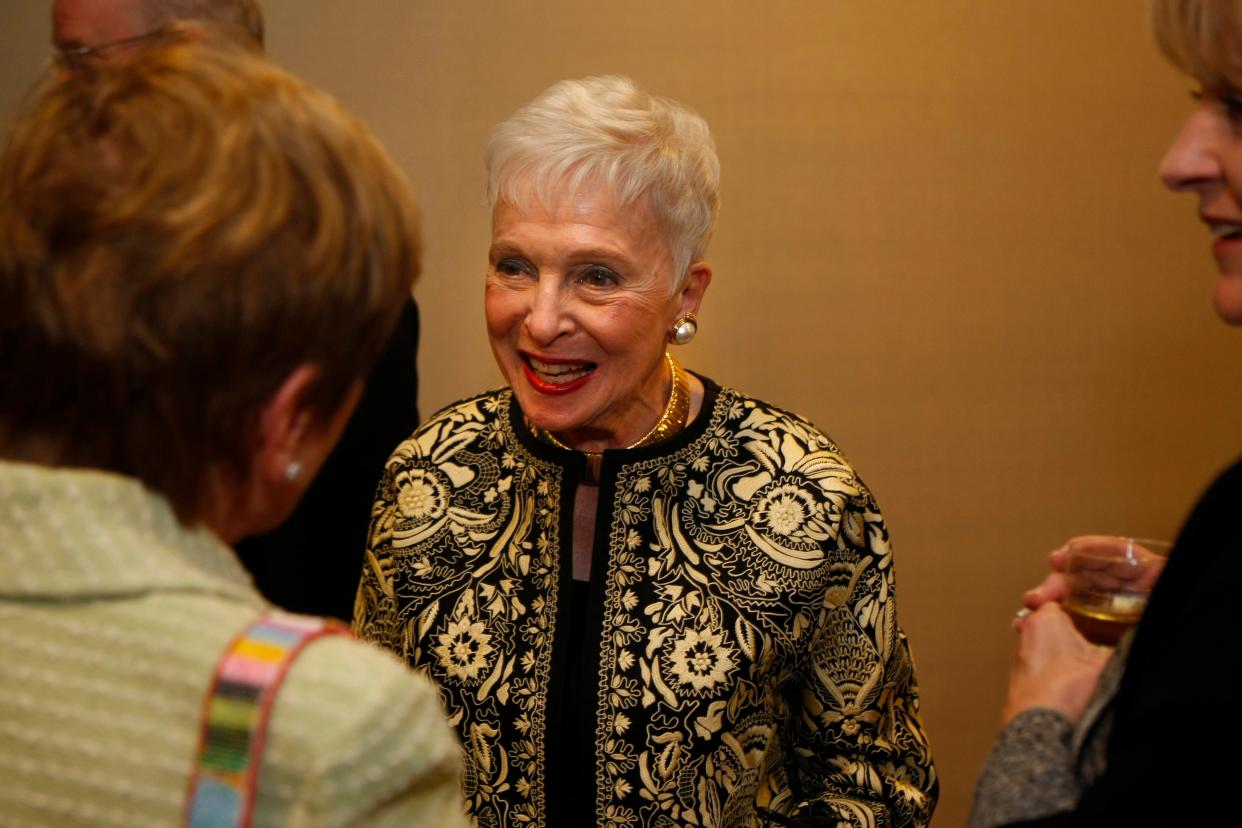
(750, 660)
(421, 495)
(463, 650)
(700, 660)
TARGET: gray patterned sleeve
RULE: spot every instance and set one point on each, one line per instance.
(1029, 773)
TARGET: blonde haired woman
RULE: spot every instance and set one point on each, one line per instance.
(1150, 739)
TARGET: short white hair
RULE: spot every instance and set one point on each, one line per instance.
(605, 131)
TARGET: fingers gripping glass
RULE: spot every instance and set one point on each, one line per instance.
(1107, 582)
(75, 57)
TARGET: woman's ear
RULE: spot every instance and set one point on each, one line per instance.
(697, 280)
(284, 424)
(288, 443)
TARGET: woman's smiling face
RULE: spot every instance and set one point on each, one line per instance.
(579, 301)
(1206, 159)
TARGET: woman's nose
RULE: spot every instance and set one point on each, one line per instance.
(1193, 160)
(547, 318)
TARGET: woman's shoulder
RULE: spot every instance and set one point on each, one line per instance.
(340, 682)
(767, 484)
(352, 719)
(457, 424)
(757, 444)
(482, 406)
(738, 410)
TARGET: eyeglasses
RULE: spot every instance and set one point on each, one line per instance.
(76, 57)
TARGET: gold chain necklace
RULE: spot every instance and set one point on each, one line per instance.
(673, 420)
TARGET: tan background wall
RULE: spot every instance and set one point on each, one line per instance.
(942, 240)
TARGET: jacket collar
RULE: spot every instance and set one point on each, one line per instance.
(77, 532)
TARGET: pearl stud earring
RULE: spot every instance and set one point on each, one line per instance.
(684, 329)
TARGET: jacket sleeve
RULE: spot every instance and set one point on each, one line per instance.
(861, 756)
(375, 607)
(1029, 773)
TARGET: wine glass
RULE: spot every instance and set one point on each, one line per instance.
(1108, 579)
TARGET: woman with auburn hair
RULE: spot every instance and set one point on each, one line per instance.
(1141, 735)
(199, 257)
(647, 599)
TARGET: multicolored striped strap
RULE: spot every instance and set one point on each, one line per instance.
(236, 712)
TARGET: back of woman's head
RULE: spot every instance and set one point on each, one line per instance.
(177, 234)
(1203, 38)
(607, 132)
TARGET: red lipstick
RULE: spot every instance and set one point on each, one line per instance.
(555, 388)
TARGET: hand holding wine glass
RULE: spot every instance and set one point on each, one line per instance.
(1053, 667)
(1097, 590)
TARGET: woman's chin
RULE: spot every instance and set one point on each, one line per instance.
(556, 410)
(555, 422)
(1227, 298)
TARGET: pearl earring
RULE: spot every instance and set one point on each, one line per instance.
(293, 471)
(684, 329)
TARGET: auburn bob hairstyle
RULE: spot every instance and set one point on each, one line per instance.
(178, 232)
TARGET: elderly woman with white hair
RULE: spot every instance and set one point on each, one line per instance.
(647, 599)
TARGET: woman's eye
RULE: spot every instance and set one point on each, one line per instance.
(1232, 106)
(599, 276)
(1230, 103)
(511, 267)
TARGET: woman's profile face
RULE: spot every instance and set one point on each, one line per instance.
(1206, 158)
(579, 300)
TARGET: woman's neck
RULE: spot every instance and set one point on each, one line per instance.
(653, 417)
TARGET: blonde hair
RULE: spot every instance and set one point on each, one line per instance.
(178, 232)
(605, 131)
(1202, 38)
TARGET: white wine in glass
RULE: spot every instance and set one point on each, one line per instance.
(1108, 580)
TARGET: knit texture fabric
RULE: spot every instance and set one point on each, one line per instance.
(112, 618)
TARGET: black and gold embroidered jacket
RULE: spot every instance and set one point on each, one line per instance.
(750, 666)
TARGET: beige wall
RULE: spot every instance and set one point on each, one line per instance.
(942, 240)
